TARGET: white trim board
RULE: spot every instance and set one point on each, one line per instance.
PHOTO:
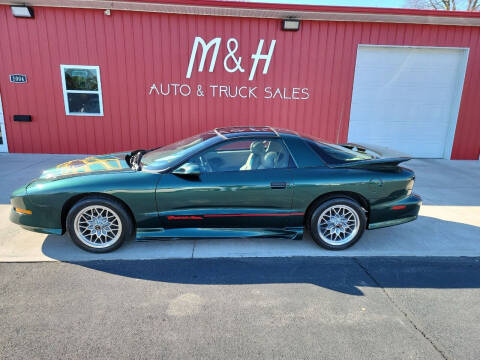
(192, 9)
(4, 146)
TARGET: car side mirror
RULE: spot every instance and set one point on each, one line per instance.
(187, 169)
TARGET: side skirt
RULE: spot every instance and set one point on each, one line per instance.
(391, 222)
(294, 233)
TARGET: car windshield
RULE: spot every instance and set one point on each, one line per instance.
(336, 154)
(162, 157)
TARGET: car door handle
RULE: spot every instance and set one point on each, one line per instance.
(278, 185)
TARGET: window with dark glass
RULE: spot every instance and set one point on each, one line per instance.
(245, 155)
(82, 90)
(336, 154)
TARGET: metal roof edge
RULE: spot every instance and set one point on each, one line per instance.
(271, 11)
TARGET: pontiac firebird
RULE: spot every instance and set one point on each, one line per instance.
(229, 182)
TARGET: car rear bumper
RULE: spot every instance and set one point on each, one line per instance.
(395, 213)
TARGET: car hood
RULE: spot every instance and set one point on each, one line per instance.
(88, 165)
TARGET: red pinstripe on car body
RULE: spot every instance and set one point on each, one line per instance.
(201, 217)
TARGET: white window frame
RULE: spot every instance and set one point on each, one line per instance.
(4, 146)
(65, 91)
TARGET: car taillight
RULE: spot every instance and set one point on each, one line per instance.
(410, 186)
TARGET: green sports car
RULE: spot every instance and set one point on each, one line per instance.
(229, 182)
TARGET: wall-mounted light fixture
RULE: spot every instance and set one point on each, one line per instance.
(290, 24)
(22, 11)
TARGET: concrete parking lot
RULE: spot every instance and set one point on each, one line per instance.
(449, 223)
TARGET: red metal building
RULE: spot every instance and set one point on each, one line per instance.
(102, 76)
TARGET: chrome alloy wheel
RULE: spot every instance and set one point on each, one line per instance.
(98, 226)
(338, 224)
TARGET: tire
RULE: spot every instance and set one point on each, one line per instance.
(343, 215)
(99, 224)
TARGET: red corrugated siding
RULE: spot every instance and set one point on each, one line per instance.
(135, 49)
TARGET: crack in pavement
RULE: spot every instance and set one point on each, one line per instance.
(396, 306)
(193, 249)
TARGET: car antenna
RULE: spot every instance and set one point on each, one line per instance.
(219, 133)
(275, 131)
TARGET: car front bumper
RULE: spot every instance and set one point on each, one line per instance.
(394, 213)
(39, 217)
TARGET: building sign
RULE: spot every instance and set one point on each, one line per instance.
(231, 64)
(18, 78)
(232, 49)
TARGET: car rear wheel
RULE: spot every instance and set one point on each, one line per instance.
(98, 224)
(337, 224)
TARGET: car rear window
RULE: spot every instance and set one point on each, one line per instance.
(335, 154)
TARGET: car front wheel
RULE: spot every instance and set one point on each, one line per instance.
(98, 224)
(337, 223)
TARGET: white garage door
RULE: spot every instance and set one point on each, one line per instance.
(407, 98)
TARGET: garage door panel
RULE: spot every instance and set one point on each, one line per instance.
(421, 115)
(389, 77)
(419, 94)
(397, 129)
(405, 98)
(409, 56)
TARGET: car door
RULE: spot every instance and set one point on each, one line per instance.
(236, 187)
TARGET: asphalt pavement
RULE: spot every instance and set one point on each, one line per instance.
(249, 308)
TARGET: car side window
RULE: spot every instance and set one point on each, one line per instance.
(245, 155)
(334, 154)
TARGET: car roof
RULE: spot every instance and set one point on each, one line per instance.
(242, 131)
